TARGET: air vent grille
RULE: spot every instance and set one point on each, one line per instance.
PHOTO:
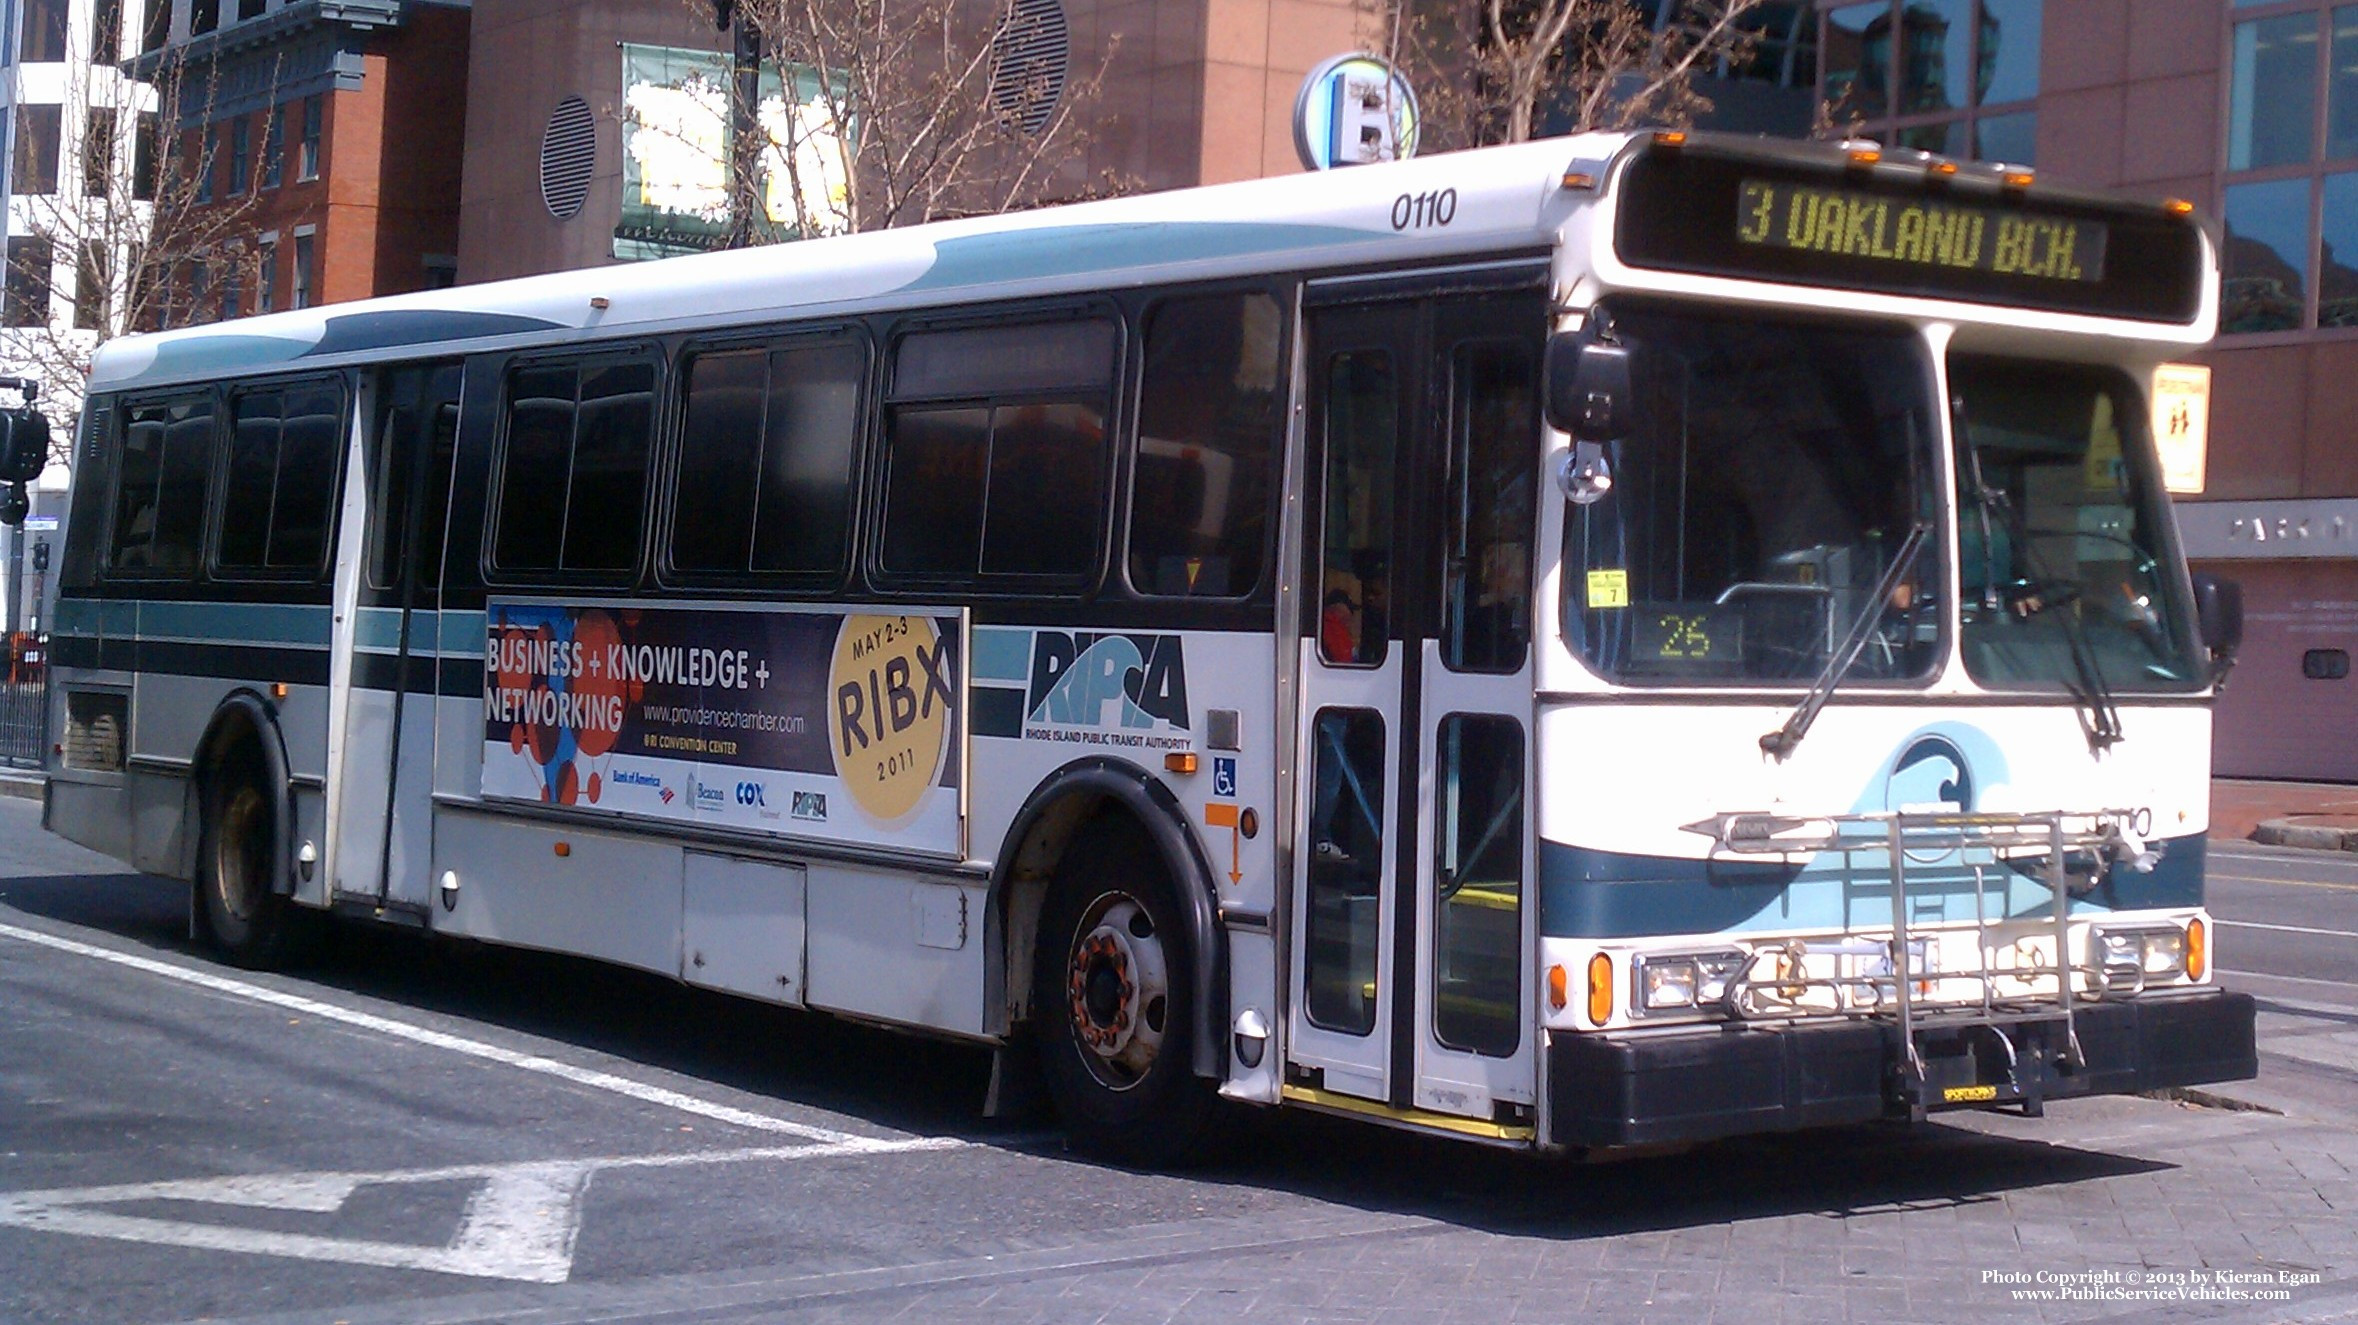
(94, 730)
(1029, 59)
(568, 152)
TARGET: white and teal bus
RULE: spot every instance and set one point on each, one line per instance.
(1615, 641)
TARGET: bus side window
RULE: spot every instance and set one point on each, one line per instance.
(996, 450)
(573, 480)
(281, 484)
(765, 459)
(161, 481)
(1207, 417)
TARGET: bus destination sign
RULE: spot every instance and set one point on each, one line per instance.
(1803, 219)
(1919, 232)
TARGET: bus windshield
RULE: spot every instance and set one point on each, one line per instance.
(2059, 531)
(1773, 472)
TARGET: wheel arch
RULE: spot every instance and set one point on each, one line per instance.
(245, 716)
(1072, 796)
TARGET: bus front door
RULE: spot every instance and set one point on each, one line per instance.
(382, 849)
(1411, 937)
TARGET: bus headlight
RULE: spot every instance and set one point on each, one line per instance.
(1674, 981)
(2129, 953)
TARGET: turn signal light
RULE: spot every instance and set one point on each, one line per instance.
(1600, 989)
(2198, 949)
(1559, 987)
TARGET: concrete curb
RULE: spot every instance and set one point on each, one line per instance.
(2286, 833)
(26, 785)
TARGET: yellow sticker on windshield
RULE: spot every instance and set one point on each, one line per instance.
(1608, 588)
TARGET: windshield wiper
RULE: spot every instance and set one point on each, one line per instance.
(1782, 741)
(2091, 695)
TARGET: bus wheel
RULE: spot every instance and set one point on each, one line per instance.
(1110, 999)
(255, 926)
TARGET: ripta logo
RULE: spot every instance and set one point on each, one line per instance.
(1092, 680)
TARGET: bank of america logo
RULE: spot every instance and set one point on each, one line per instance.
(667, 795)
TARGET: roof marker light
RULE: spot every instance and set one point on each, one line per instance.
(2177, 207)
(1944, 169)
(1865, 156)
(1671, 138)
(2015, 179)
(1579, 179)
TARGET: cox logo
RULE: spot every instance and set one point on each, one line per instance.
(749, 793)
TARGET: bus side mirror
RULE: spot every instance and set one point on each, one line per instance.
(1588, 388)
(24, 445)
(2218, 616)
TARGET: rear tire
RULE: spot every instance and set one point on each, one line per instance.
(253, 924)
(1112, 998)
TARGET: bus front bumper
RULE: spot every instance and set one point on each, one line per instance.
(1721, 1081)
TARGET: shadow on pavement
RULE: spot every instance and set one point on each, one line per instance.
(922, 1085)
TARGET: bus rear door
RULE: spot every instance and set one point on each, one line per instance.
(383, 822)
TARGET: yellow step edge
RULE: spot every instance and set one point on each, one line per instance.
(1327, 1099)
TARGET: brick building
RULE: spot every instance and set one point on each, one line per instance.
(337, 125)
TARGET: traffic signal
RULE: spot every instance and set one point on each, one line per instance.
(41, 555)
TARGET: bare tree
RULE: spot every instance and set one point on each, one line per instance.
(137, 228)
(1495, 71)
(881, 113)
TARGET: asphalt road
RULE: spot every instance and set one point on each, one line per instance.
(431, 1132)
(2285, 912)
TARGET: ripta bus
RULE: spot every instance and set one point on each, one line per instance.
(1608, 642)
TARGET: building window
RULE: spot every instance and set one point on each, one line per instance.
(37, 133)
(1956, 77)
(93, 288)
(146, 166)
(24, 296)
(98, 152)
(267, 282)
(305, 251)
(206, 147)
(45, 32)
(2290, 189)
(241, 154)
(232, 293)
(155, 26)
(106, 32)
(307, 157)
(248, 9)
(203, 17)
(274, 148)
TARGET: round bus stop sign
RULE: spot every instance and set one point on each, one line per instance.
(1354, 109)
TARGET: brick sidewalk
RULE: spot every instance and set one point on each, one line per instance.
(2239, 804)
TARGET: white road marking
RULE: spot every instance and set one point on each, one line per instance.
(520, 1224)
(580, 1076)
(2288, 929)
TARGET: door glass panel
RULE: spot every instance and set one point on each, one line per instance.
(1346, 869)
(1478, 875)
(1493, 447)
(1362, 441)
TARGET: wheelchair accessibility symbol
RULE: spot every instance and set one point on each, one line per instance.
(1223, 776)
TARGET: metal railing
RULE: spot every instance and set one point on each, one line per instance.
(24, 702)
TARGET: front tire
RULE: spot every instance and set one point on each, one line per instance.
(254, 925)
(1112, 993)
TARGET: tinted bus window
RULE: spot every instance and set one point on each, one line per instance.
(1009, 478)
(1207, 416)
(160, 486)
(573, 479)
(278, 493)
(765, 459)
